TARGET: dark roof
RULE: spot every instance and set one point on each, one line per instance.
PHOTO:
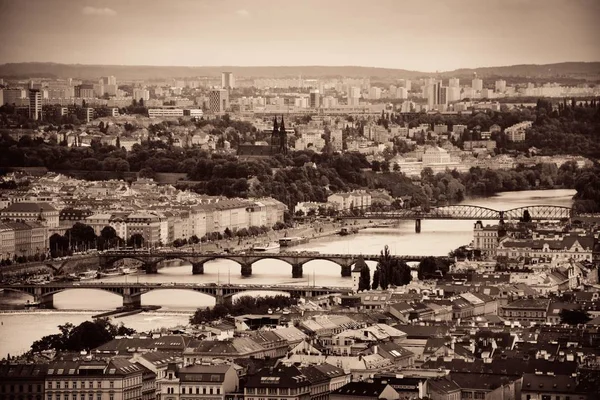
(203, 373)
(314, 375)
(361, 389)
(549, 383)
(359, 265)
(509, 366)
(29, 207)
(443, 384)
(330, 370)
(17, 372)
(481, 381)
(422, 332)
(280, 376)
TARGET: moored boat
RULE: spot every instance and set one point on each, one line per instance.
(266, 246)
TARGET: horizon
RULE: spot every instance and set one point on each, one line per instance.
(408, 35)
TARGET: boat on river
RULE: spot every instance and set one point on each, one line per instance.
(128, 271)
(292, 241)
(110, 272)
(87, 275)
(266, 246)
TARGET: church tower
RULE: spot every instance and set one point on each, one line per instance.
(282, 137)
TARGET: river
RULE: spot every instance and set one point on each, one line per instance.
(19, 329)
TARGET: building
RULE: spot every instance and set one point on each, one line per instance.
(477, 84)
(12, 96)
(141, 94)
(145, 224)
(526, 310)
(375, 93)
(359, 265)
(314, 99)
(349, 200)
(35, 104)
(227, 80)
(117, 379)
(500, 86)
(281, 382)
(206, 381)
(36, 212)
(579, 248)
(85, 91)
(454, 83)
(516, 133)
(485, 238)
(218, 100)
(22, 381)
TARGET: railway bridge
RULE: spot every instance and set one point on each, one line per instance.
(464, 212)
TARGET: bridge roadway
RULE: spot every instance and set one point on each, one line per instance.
(152, 259)
(132, 292)
(463, 212)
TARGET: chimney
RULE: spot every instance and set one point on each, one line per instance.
(375, 349)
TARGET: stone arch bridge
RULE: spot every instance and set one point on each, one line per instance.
(132, 292)
(152, 259)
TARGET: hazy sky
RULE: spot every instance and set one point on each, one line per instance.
(425, 35)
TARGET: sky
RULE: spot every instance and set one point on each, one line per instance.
(422, 35)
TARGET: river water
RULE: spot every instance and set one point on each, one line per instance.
(19, 329)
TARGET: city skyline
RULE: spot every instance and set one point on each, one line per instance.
(390, 34)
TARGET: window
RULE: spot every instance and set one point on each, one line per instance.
(283, 391)
(272, 390)
(112, 384)
(211, 390)
(99, 396)
(91, 396)
(250, 390)
(203, 390)
(82, 397)
(49, 396)
(111, 397)
(218, 390)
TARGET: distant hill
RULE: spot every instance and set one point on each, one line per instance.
(127, 72)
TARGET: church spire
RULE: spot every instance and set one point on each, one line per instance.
(282, 126)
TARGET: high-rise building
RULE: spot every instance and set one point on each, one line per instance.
(35, 104)
(454, 82)
(501, 86)
(314, 99)
(477, 84)
(140, 93)
(401, 93)
(437, 95)
(405, 83)
(218, 100)
(84, 91)
(227, 80)
(108, 80)
(10, 96)
(453, 93)
(375, 93)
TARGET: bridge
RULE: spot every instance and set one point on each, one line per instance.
(464, 212)
(152, 259)
(132, 292)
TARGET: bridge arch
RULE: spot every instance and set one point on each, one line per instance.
(540, 212)
(178, 297)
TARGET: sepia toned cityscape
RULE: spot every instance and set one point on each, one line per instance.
(299, 200)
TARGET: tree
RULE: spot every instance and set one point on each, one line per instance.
(136, 240)
(431, 266)
(574, 317)
(526, 217)
(375, 283)
(364, 282)
(392, 271)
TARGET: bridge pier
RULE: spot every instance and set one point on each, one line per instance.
(297, 270)
(222, 300)
(417, 225)
(151, 268)
(132, 300)
(346, 271)
(198, 268)
(246, 270)
(46, 301)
